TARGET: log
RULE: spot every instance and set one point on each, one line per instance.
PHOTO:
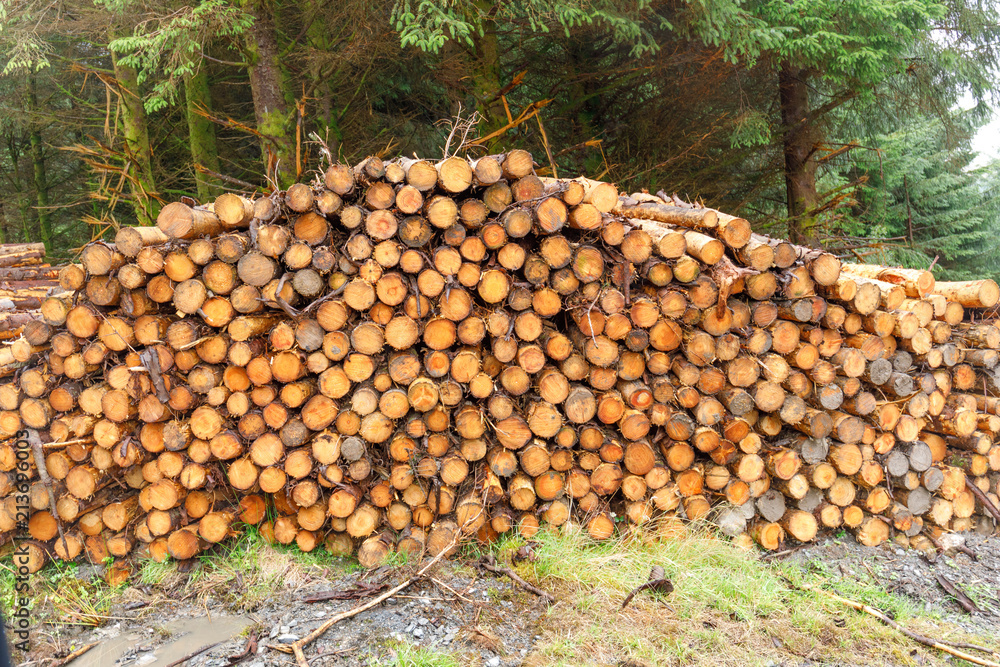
(21, 254)
(970, 294)
(918, 283)
(672, 215)
(180, 221)
(130, 240)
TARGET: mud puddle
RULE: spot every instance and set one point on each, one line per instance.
(175, 639)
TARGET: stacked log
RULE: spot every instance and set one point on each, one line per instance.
(25, 280)
(411, 350)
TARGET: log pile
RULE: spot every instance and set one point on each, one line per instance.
(25, 280)
(409, 350)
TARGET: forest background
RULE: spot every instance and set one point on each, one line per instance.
(841, 123)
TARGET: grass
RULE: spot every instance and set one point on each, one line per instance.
(73, 600)
(706, 572)
(242, 574)
(727, 608)
(404, 654)
(7, 593)
(871, 593)
(246, 571)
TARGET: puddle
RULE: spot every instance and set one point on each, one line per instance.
(185, 636)
(107, 652)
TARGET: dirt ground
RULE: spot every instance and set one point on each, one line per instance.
(461, 615)
(971, 562)
(481, 619)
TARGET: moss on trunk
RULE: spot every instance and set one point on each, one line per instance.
(485, 75)
(136, 134)
(269, 86)
(38, 168)
(201, 133)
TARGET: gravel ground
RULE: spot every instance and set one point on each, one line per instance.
(483, 620)
(970, 561)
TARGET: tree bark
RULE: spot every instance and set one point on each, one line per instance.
(800, 169)
(201, 133)
(38, 167)
(3, 224)
(21, 195)
(486, 82)
(268, 85)
(139, 153)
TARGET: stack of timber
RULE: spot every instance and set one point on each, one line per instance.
(412, 350)
(25, 280)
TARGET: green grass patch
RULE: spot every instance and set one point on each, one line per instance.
(243, 573)
(871, 592)
(404, 654)
(246, 570)
(706, 572)
(727, 608)
(8, 595)
(74, 600)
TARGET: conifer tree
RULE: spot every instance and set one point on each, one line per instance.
(923, 190)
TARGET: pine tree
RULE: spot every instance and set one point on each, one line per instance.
(923, 191)
(828, 54)
(477, 25)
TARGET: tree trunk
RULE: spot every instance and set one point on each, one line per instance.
(38, 168)
(585, 106)
(23, 201)
(201, 133)
(800, 168)
(485, 74)
(271, 107)
(326, 112)
(140, 154)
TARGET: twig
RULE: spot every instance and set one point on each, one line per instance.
(67, 443)
(961, 548)
(781, 554)
(152, 360)
(454, 128)
(971, 647)
(74, 655)
(526, 114)
(353, 593)
(657, 581)
(297, 646)
(318, 302)
(920, 639)
(416, 288)
(954, 591)
(725, 274)
(421, 597)
(291, 312)
(36, 449)
(251, 649)
(545, 142)
(628, 283)
(489, 563)
(459, 595)
(193, 654)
